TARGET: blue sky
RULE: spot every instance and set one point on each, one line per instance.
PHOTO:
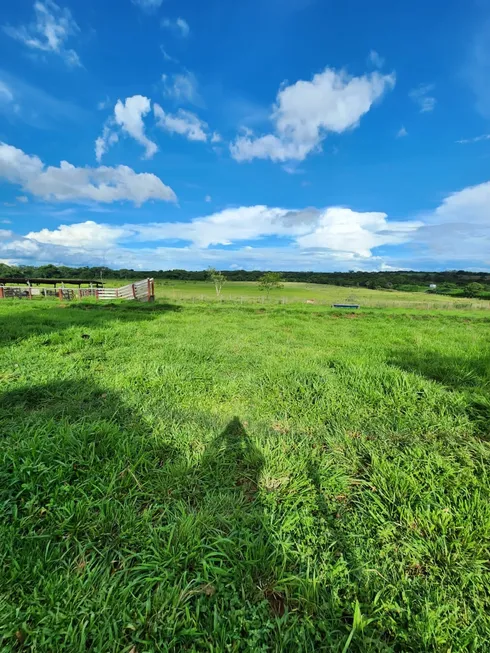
(269, 134)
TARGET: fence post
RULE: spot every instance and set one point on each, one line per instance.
(60, 294)
(134, 290)
(2, 293)
(96, 293)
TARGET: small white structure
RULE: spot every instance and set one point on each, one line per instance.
(433, 286)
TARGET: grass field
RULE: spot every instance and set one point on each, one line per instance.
(247, 291)
(204, 477)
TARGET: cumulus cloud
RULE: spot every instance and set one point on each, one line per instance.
(182, 122)
(180, 25)
(129, 116)
(306, 111)
(70, 183)
(103, 142)
(342, 229)
(454, 234)
(49, 31)
(89, 235)
(401, 132)
(422, 98)
(337, 229)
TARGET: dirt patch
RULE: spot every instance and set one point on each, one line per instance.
(277, 602)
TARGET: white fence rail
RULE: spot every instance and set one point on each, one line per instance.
(141, 291)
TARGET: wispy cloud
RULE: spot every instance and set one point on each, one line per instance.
(49, 31)
(34, 106)
(375, 59)
(401, 132)
(422, 98)
(180, 25)
(476, 139)
(182, 122)
(182, 87)
(149, 6)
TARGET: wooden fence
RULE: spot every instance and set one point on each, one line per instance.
(141, 291)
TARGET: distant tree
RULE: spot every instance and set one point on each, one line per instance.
(218, 278)
(269, 281)
(474, 288)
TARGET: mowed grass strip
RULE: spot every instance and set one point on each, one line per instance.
(225, 478)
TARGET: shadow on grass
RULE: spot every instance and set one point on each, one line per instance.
(100, 515)
(454, 372)
(467, 375)
(25, 321)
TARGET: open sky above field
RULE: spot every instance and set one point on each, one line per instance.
(271, 134)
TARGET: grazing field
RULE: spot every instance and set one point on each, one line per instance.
(204, 477)
(249, 291)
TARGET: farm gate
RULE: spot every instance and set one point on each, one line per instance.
(140, 291)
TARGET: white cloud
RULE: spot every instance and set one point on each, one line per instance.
(455, 234)
(401, 132)
(179, 25)
(69, 183)
(476, 139)
(216, 138)
(306, 111)
(182, 87)
(183, 122)
(129, 116)
(5, 221)
(104, 141)
(22, 199)
(422, 99)
(87, 235)
(167, 56)
(208, 198)
(468, 206)
(49, 31)
(375, 59)
(336, 229)
(342, 229)
(148, 5)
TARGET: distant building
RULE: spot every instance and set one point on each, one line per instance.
(433, 286)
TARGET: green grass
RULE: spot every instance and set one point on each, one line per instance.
(204, 477)
(292, 292)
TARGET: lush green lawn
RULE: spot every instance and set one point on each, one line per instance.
(226, 478)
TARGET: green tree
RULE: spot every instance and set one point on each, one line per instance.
(218, 278)
(474, 288)
(269, 281)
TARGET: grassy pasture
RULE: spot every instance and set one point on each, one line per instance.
(205, 477)
(249, 291)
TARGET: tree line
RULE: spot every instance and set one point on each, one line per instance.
(451, 282)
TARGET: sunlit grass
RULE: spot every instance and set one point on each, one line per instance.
(243, 478)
